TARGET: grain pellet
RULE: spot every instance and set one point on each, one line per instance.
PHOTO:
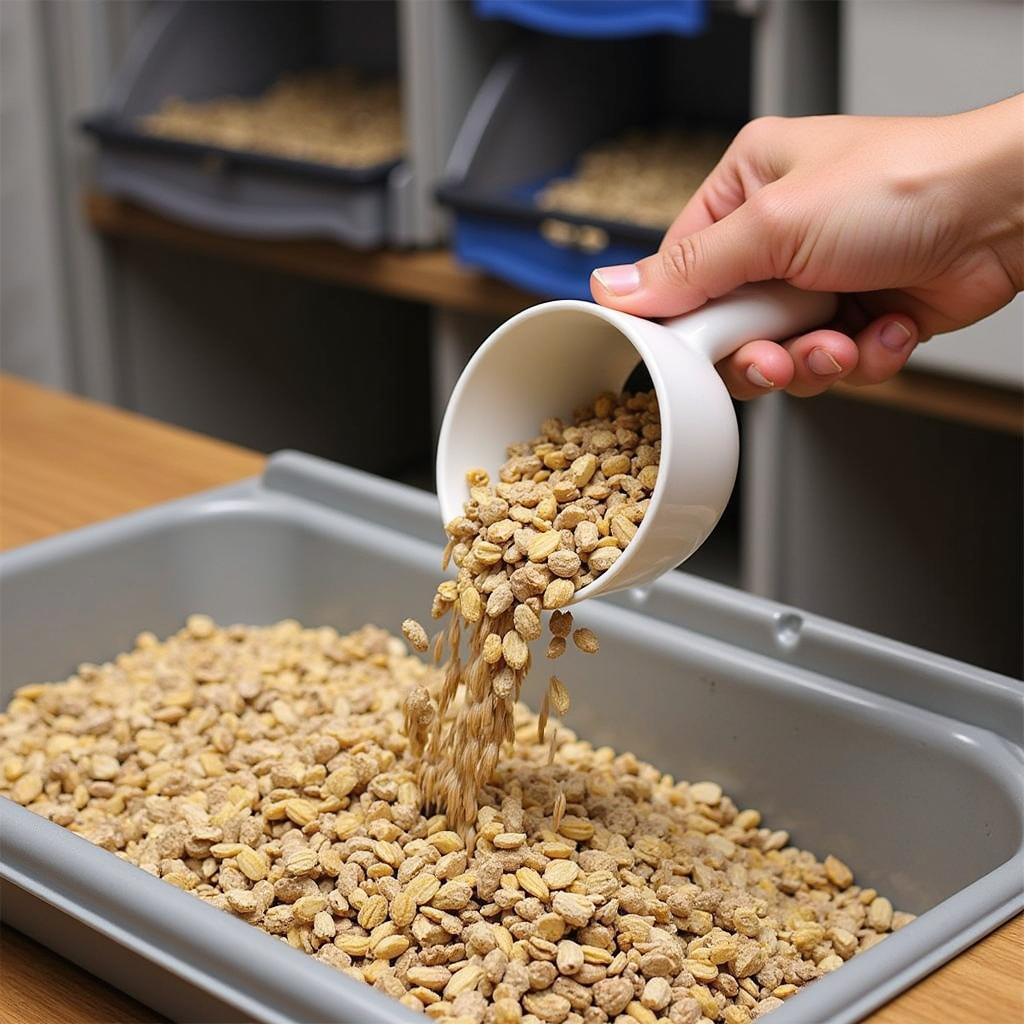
(590, 881)
(415, 634)
(586, 640)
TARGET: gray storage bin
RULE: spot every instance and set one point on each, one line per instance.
(905, 764)
(201, 50)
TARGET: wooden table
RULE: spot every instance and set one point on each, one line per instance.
(66, 462)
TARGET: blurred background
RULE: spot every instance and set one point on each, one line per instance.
(289, 224)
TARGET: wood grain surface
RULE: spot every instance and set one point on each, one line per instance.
(65, 462)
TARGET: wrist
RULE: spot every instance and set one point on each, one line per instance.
(992, 176)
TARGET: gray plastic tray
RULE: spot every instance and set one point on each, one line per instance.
(905, 764)
(202, 50)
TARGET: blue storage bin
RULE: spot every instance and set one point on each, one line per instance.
(505, 236)
(547, 102)
(518, 253)
(601, 19)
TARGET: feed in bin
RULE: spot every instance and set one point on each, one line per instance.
(608, 202)
(333, 116)
(267, 770)
(644, 177)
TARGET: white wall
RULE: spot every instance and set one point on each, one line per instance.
(940, 57)
(55, 61)
(34, 335)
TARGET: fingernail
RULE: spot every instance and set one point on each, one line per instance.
(755, 376)
(823, 363)
(894, 336)
(619, 280)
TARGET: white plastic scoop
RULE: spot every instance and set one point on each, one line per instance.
(551, 358)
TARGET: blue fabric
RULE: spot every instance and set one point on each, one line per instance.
(520, 255)
(601, 19)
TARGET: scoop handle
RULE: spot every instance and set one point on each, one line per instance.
(771, 310)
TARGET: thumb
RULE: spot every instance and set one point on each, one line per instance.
(688, 270)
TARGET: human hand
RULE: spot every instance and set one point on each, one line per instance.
(917, 221)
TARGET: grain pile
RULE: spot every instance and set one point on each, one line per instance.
(642, 177)
(265, 770)
(332, 117)
(563, 509)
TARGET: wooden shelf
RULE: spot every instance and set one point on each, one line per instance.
(432, 276)
(946, 398)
